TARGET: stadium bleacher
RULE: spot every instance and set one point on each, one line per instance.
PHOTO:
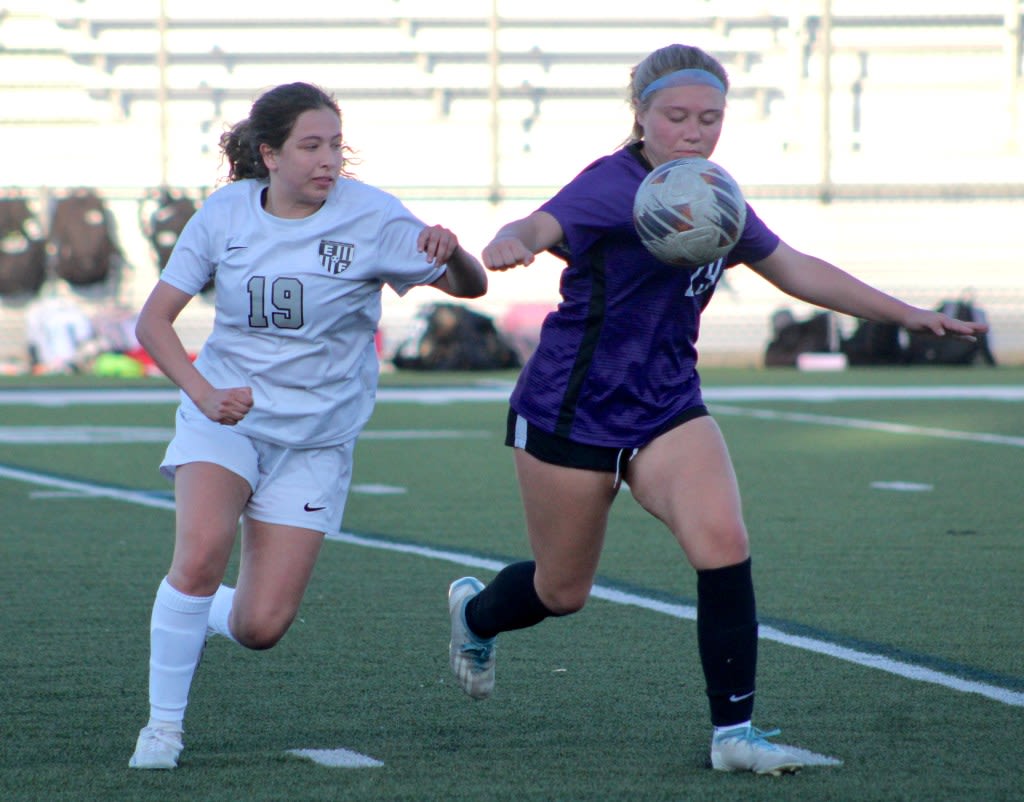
(474, 118)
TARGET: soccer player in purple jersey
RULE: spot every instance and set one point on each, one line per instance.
(612, 394)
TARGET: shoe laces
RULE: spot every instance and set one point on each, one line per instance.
(155, 737)
(752, 735)
(478, 651)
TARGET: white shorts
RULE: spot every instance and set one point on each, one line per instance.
(304, 487)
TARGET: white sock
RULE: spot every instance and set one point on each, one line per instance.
(220, 610)
(167, 726)
(177, 634)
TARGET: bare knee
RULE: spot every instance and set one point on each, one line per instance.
(258, 641)
(259, 631)
(717, 546)
(195, 576)
(199, 562)
(564, 600)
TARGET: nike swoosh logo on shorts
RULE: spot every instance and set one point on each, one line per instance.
(735, 698)
(307, 508)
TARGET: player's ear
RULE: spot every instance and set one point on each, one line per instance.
(269, 156)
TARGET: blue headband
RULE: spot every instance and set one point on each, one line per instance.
(683, 78)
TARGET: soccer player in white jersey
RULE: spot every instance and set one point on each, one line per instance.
(272, 406)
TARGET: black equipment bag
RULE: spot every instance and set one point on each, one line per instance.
(455, 338)
(83, 239)
(22, 249)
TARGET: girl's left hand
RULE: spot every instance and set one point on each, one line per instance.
(926, 320)
(438, 243)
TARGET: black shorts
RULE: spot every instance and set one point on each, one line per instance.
(568, 453)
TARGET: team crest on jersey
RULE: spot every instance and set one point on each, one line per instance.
(336, 257)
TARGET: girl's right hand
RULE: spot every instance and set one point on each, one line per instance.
(227, 406)
(504, 253)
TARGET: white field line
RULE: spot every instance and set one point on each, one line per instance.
(878, 426)
(500, 391)
(92, 435)
(688, 612)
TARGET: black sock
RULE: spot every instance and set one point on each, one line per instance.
(727, 639)
(509, 602)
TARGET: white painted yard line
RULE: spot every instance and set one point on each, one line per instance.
(682, 611)
(904, 487)
(87, 489)
(421, 434)
(501, 391)
(688, 612)
(67, 398)
(376, 489)
(878, 426)
(21, 435)
(87, 435)
(24, 435)
(980, 392)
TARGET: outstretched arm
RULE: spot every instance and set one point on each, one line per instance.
(517, 242)
(823, 284)
(465, 276)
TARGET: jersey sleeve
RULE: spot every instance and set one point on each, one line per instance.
(756, 243)
(402, 265)
(191, 264)
(599, 200)
(596, 203)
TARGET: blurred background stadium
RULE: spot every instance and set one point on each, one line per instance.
(883, 135)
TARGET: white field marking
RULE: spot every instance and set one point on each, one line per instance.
(878, 426)
(500, 392)
(69, 398)
(378, 490)
(685, 611)
(91, 435)
(367, 489)
(21, 435)
(904, 487)
(337, 758)
(65, 398)
(419, 434)
(681, 611)
(991, 392)
(139, 497)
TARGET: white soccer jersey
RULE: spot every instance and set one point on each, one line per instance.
(298, 303)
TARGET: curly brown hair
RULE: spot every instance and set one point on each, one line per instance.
(270, 122)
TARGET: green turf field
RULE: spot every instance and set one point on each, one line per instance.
(887, 538)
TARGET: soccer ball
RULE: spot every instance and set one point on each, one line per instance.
(689, 212)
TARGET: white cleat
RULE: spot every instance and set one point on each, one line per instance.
(157, 748)
(471, 658)
(746, 748)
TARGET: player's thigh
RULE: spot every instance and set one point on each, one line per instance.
(209, 500)
(685, 478)
(566, 518)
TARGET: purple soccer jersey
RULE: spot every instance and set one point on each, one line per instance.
(616, 362)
